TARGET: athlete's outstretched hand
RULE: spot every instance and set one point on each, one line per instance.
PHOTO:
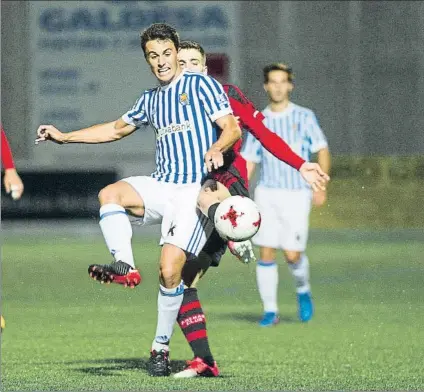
(13, 183)
(49, 132)
(214, 159)
(314, 176)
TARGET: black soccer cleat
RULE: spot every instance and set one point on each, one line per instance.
(159, 365)
(117, 272)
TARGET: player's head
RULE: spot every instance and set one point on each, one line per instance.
(192, 57)
(160, 43)
(278, 81)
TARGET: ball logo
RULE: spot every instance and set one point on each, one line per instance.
(232, 216)
(258, 222)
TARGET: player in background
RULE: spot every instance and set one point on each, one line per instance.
(282, 195)
(11, 180)
(186, 110)
(232, 178)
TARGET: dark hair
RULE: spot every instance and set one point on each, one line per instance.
(192, 45)
(278, 67)
(159, 31)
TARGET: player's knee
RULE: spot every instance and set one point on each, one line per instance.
(109, 194)
(267, 254)
(172, 262)
(169, 276)
(292, 257)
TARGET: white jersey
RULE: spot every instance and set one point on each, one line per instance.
(299, 128)
(183, 115)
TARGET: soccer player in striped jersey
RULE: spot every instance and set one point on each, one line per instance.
(186, 111)
(231, 179)
(283, 196)
(11, 180)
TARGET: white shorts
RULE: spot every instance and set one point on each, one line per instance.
(285, 218)
(174, 207)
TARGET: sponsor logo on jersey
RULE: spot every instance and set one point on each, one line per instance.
(172, 128)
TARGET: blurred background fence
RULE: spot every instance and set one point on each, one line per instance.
(358, 65)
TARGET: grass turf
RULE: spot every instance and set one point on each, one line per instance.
(65, 332)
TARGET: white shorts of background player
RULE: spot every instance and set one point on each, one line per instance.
(285, 218)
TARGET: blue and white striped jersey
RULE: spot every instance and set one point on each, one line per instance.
(183, 115)
(299, 128)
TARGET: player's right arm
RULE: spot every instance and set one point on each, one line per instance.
(100, 133)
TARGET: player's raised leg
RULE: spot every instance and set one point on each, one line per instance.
(211, 195)
(115, 200)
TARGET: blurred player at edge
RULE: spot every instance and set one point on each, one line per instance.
(283, 197)
(186, 111)
(191, 317)
(11, 180)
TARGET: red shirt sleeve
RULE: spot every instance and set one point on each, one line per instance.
(6, 152)
(252, 119)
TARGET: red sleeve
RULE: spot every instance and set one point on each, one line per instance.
(6, 152)
(252, 119)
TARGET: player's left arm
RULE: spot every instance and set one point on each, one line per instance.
(216, 104)
(319, 146)
(230, 133)
(324, 161)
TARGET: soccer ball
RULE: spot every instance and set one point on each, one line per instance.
(237, 218)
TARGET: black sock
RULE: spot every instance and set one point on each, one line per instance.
(192, 322)
(211, 211)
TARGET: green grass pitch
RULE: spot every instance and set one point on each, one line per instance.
(65, 332)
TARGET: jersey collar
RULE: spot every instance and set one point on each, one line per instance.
(174, 82)
(268, 112)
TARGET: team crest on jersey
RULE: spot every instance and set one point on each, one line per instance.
(184, 100)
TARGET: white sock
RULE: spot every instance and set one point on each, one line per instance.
(300, 272)
(169, 303)
(267, 280)
(117, 231)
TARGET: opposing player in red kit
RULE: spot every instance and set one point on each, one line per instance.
(229, 180)
(11, 180)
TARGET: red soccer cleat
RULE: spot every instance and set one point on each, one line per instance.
(118, 272)
(198, 368)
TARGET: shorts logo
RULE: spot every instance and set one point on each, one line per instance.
(184, 100)
(171, 229)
